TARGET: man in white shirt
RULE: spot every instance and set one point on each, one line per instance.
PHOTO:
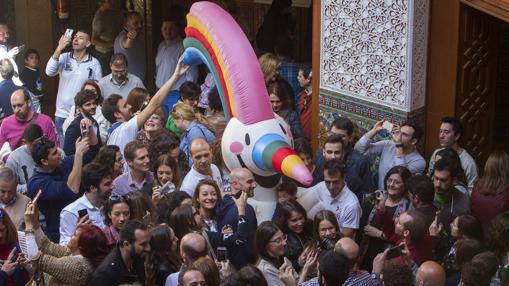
(96, 183)
(119, 81)
(125, 126)
(202, 167)
(451, 130)
(336, 197)
(168, 53)
(73, 68)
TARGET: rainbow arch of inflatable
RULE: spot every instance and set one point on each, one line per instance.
(254, 138)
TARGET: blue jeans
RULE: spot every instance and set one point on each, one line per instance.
(59, 122)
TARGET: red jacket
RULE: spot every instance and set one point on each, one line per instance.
(419, 252)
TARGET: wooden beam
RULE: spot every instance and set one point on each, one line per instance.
(315, 106)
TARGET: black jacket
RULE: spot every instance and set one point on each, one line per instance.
(227, 214)
(73, 132)
(113, 271)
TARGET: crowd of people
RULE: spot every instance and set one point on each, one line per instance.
(128, 188)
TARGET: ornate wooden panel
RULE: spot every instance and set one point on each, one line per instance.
(475, 101)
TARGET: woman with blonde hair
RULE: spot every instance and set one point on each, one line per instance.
(193, 125)
(490, 195)
(269, 63)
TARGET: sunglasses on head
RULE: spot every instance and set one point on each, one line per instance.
(117, 198)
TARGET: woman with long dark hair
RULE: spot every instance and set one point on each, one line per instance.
(13, 272)
(186, 219)
(280, 97)
(270, 243)
(490, 196)
(166, 177)
(462, 227)
(163, 259)
(206, 198)
(293, 222)
(117, 212)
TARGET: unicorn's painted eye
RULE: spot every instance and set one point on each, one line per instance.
(282, 128)
(248, 139)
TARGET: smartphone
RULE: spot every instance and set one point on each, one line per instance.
(388, 126)
(82, 213)
(222, 253)
(37, 196)
(238, 194)
(144, 105)
(84, 132)
(394, 252)
(68, 33)
(167, 188)
(12, 255)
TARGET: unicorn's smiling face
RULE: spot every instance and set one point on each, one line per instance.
(263, 147)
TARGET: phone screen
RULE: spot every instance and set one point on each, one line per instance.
(394, 252)
(222, 254)
(82, 213)
(238, 194)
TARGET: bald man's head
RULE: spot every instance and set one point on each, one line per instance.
(348, 248)
(241, 179)
(192, 247)
(199, 150)
(21, 104)
(430, 273)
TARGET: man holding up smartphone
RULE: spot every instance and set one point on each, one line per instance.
(84, 125)
(73, 68)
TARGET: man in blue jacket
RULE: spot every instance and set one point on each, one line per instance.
(58, 179)
(241, 180)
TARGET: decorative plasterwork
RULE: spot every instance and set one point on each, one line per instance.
(375, 50)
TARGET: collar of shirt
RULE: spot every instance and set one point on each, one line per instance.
(88, 58)
(119, 84)
(339, 196)
(172, 42)
(87, 203)
(132, 183)
(191, 125)
(9, 203)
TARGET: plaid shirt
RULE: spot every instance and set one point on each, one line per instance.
(289, 71)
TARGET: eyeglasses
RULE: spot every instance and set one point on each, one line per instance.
(279, 240)
(395, 182)
(115, 198)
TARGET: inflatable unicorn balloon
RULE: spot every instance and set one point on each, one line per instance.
(255, 138)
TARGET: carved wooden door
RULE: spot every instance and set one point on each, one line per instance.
(475, 99)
